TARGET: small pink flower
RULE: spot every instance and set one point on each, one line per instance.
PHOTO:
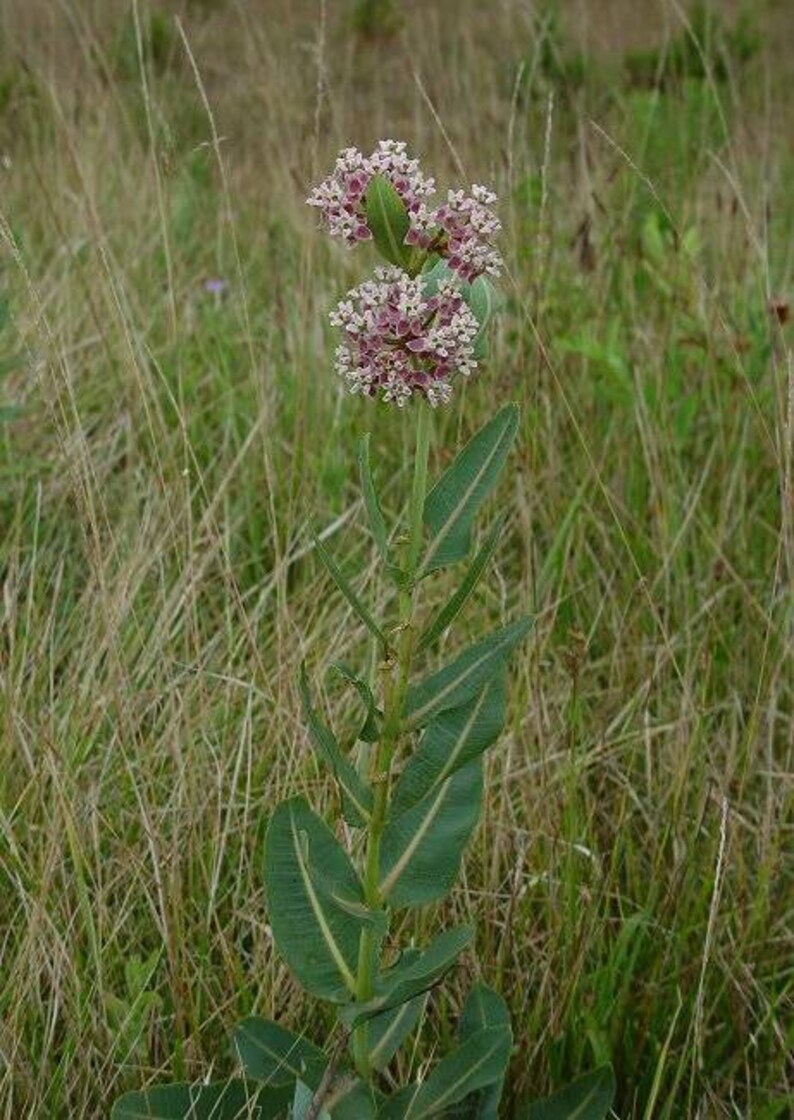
(400, 342)
(471, 227)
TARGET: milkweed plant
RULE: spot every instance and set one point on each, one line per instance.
(338, 896)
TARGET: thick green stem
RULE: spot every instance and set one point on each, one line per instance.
(396, 679)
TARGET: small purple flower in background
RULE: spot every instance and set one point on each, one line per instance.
(215, 287)
(340, 197)
(401, 342)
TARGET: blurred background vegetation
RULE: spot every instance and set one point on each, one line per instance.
(169, 422)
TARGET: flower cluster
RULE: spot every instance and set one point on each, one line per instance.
(462, 230)
(341, 196)
(402, 341)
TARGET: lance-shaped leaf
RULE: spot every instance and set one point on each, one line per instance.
(587, 1098)
(483, 301)
(416, 972)
(345, 587)
(302, 1104)
(356, 794)
(370, 731)
(316, 901)
(451, 741)
(450, 611)
(422, 848)
(221, 1100)
(387, 218)
(353, 1100)
(455, 684)
(388, 1031)
(269, 1053)
(374, 512)
(476, 1063)
(483, 1008)
(453, 503)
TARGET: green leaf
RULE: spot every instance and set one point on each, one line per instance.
(356, 794)
(267, 1052)
(353, 1100)
(422, 848)
(450, 612)
(389, 1030)
(476, 1063)
(374, 512)
(453, 503)
(416, 972)
(370, 732)
(452, 740)
(455, 684)
(316, 901)
(483, 1008)
(221, 1100)
(344, 586)
(483, 300)
(387, 218)
(587, 1098)
(302, 1103)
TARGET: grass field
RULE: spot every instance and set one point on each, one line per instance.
(165, 443)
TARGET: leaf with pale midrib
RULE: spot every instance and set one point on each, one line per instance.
(450, 741)
(453, 503)
(317, 909)
(455, 684)
(422, 848)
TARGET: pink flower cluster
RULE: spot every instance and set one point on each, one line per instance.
(341, 196)
(402, 342)
(462, 230)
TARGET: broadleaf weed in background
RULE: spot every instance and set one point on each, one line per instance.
(412, 798)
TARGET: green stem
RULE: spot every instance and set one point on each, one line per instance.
(397, 677)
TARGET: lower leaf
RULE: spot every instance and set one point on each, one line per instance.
(221, 1100)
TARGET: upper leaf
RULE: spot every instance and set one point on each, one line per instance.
(316, 901)
(417, 971)
(267, 1052)
(387, 218)
(587, 1098)
(455, 684)
(450, 611)
(356, 794)
(451, 740)
(422, 848)
(374, 512)
(476, 1063)
(370, 729)
(222, 1100)
(453, 503)
(339, 578)
(387, 1032)
(483, 300)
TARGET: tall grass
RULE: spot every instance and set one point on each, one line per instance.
(632, 881)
